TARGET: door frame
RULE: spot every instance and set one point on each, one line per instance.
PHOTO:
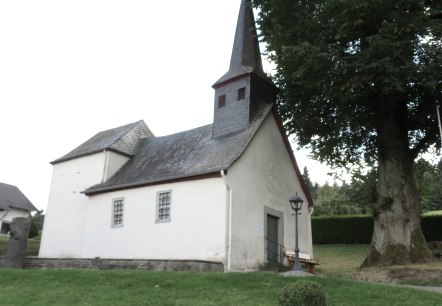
(280, 215)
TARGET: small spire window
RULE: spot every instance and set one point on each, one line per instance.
(221, 101)
(241, 94)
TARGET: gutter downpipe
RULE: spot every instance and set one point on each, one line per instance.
(229, 226)
(440, 125)
(310, 212)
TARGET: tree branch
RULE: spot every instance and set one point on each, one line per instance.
(429, 138)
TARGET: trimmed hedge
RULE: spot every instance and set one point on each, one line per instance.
(32, 247)
(359, 229)
(432, 227)
(342, 229)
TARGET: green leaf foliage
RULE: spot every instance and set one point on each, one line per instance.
(308, 182)
(340, 63)
(303, 293)
(358, 196)
(359, 229)
(429, 185)
(36, 225)
(342, 229)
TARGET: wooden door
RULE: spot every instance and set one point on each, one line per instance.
(272, 238)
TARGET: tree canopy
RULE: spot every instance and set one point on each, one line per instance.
(339, 61)
(360, 82)
(359, 194)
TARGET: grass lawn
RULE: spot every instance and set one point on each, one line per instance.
(98, 287)
(433, 213)
(3, 244)
(338, 273)
(339, 257)
(344, 260)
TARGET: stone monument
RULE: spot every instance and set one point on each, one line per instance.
(18, 242)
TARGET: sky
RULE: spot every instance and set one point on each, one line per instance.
(70, 69)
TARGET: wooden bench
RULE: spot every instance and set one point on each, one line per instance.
(305, 259)
(435, 248)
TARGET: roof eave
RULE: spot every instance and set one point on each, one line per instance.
(60, 160)
(225, 80)
(95, 191)
(292, 156)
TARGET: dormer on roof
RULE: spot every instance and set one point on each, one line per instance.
(123, 140)
(245, 87)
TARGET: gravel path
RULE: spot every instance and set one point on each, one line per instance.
(426, 288)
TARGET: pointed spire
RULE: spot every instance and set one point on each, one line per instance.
(246, 56)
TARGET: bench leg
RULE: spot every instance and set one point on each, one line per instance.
(311, 268)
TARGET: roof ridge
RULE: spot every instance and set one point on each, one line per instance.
(185, 131)
(133, 124)
(109, 139)
(214, 154)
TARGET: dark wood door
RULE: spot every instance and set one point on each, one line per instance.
(272, 238)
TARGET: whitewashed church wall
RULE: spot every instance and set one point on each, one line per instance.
(270, 181)
(65, 218)
(196, 229)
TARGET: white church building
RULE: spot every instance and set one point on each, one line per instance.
(215, 193)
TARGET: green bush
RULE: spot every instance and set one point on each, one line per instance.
(32, 249)
(359, 229)
(342, 229)
(3, 247)
(305, 293)
(432, 227)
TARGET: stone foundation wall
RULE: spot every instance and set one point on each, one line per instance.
(141, 264)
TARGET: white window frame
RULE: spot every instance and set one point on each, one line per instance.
(158, 207)
(113, 212)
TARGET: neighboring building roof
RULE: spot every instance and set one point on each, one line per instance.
(12, 197)
(123, 139)
(182, 155)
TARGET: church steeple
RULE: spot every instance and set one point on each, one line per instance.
(246, 56)
(240, 91)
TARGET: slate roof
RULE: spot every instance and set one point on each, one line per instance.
(246, 56)
(123, 139)
(195, 153)
(12, 197)
(182, 155)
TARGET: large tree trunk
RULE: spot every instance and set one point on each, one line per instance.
(397, 236)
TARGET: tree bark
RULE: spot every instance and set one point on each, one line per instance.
(397, 235)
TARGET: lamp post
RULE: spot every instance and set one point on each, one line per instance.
(440, 125)
(296, 203)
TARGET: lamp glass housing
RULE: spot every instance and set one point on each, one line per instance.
(296, 202)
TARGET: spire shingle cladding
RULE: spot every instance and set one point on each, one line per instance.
(200, 152)
(246, 55)
(245, 75)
